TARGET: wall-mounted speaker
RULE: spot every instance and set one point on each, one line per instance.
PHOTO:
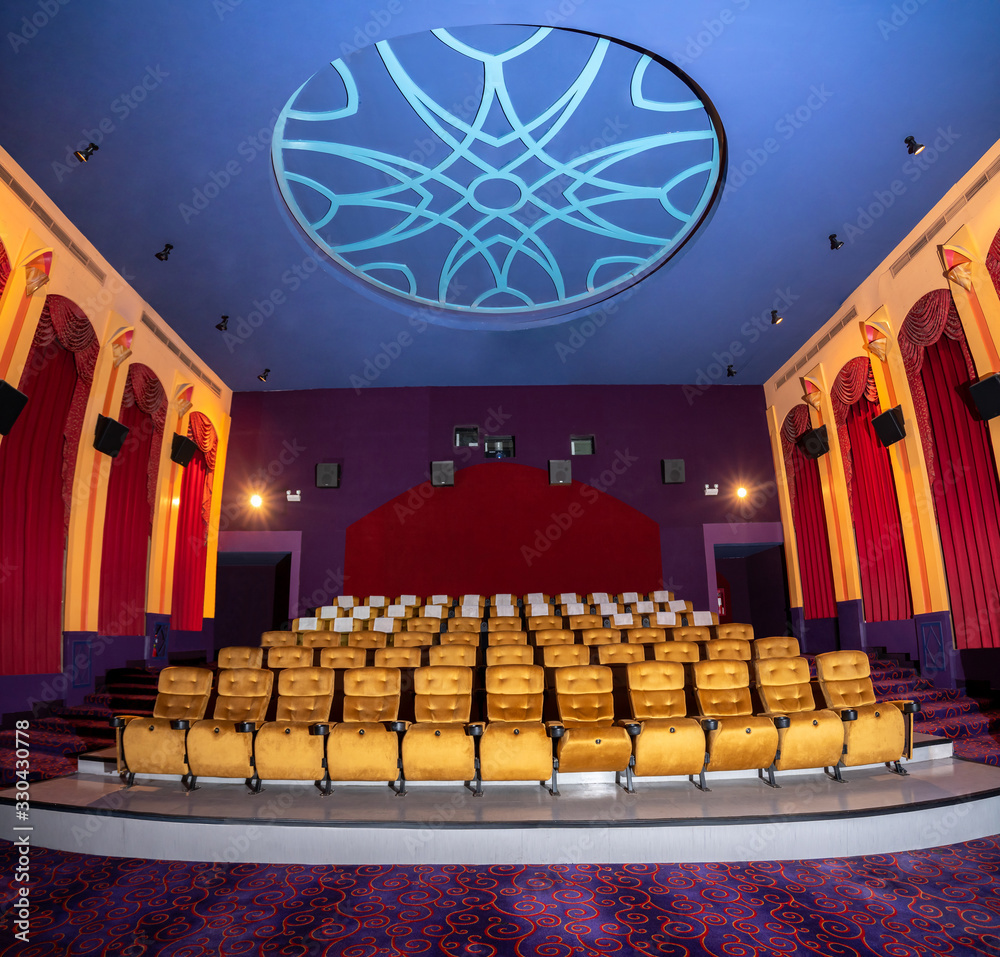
(814, 442)
(109, 436)
(11, 403)
(442, 473)
(560, 472)
(327, 475)
(673, 471)
(986, 395)
(182, 449)
(889, 426)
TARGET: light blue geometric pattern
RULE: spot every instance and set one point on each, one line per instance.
(488, 172)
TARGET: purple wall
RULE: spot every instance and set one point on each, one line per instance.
(385, 439)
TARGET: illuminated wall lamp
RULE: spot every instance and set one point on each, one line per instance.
(712, 489)
(295, 496)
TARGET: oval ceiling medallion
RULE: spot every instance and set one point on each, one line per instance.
(499, 176)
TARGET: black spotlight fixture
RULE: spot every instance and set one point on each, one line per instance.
(834, 242)
(775, 318)
(263, 376)
(164, 254)
(730, 372)
(912, 146)
(224, 325)
(84, 155)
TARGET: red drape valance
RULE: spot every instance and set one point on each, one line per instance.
(993, 261)
(64, 322)
(809, 519)
(854, 382)
(203, 434)
(931, 317)
(4, 267)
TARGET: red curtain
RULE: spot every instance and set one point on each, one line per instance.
(993, 261)
(809, 519)
(127, 525)
(32, 531)
(4, 267)
(964, 476)
(192, 527)
(878, 530)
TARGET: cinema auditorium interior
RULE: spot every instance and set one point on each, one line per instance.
(622, 576)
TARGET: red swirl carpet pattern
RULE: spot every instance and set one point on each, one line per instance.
(942, 901)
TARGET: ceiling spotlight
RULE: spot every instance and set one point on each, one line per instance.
(256, 501)
(775, 318)
(912, 146)
(834, 242)
(224, 325)
(164, 254)
(84, 155)
(741, 492)
(263, 376)
(730, 372)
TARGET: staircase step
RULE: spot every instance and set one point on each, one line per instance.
(43, 767)
(958, 726)
(981, 747)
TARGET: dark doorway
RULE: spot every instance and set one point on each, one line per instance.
(757, 585)
(251, 596)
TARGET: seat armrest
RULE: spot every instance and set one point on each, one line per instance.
(120, 720)
(781, 721)
(907, 707)
(475, 730)
(709, 724)
(634, 728)
(555, 729)
(319, 729)
(245, 727)
(846, 714)
(180, 724)
(398, 726)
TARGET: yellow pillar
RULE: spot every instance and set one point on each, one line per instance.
(836, 500)
(924, 561)
(978, 307)
(785, 506)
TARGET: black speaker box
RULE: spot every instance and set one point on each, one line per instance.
(181, 449)
(889, 426)
(560, 472)
(109, 436)
(11, 403)
(985, 393)
(673, 471)
(327, 475)
(442, 473)
(814, 442)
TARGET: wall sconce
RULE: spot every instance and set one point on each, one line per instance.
(712, 489)
(295, 496)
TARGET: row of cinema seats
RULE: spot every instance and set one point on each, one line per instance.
(832, 723)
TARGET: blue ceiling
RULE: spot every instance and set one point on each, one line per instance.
(811, 101)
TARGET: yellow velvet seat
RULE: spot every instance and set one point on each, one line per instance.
(236, 656)
(365, 745)
(554, 636)
(460, 638)
(733, 629)
(509, 655)
(880, 732)
(545, 622)
(429, 625)
(367, 639)
(158, 745)
(580, 622)
(587, 738)
(457, 654)
(564, 656)
(691, 633)
(600, 636)
(514, 745)
(814, 738)
(320, 639)
(223, 746)
(293, 746)
(646, 636)
(506, 638)
(511, 623)
(342, 658)
(776, 647)
(670, 742)
(287, 656)
(461, 623)
(683, 651)
(735, 648)
(413, 639)
(736, 738)
(273, 639)
(437, 746)
(399, 657)
(620, 654)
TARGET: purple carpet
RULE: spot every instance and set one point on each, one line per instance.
(943, 901)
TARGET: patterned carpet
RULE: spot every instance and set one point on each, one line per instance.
(943, 901)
